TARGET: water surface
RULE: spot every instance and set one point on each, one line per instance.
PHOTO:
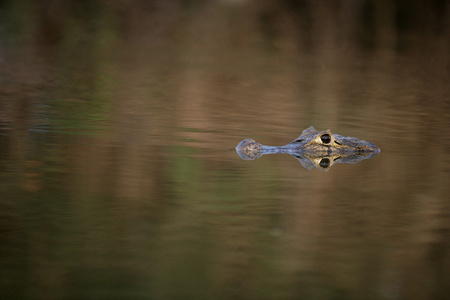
(119, 178)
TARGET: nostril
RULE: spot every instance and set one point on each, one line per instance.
(360, 150)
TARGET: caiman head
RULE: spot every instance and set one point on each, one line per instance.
(322, 149)
(317, 144)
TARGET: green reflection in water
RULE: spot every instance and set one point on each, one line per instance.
(219, 229)
(78, 116)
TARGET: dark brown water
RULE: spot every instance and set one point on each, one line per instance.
(118, 175)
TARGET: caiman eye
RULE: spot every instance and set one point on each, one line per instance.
(326, 138)
(324, 162)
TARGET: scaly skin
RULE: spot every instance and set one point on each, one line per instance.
(321, 148)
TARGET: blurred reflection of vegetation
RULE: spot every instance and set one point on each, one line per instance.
(85, 59)
(369, 22)
(227, 231)
(85, 38)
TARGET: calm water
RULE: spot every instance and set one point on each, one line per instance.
(119, 178)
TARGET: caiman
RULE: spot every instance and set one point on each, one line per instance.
(314, 149)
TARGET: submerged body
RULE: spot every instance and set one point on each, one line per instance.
(322, 149)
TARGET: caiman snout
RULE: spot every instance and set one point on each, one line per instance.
(367, 149)
(249, 149)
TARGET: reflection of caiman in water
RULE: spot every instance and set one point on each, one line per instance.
(314, 149)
